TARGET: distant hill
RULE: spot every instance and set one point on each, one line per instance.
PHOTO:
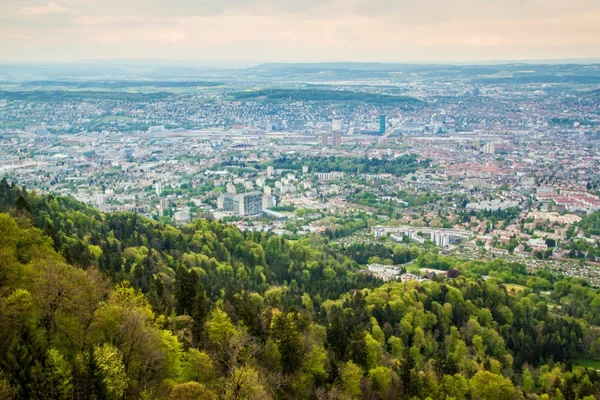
(593, 93)
(493, 73)
(325, 95)
(364, 66)
(182, 69)
(115, 84)
(66, 95)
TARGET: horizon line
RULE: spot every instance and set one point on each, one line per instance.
(570, 60)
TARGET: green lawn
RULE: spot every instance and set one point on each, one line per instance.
(512, 286)
(412, 268)
(587, 362)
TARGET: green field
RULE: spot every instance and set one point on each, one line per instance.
(517, 288)
(412, 268)
(588, 362)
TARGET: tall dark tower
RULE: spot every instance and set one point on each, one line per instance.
(324, 139)
(382, 123)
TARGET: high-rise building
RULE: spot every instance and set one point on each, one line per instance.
(252, 203)
(99, 199)
(337, 139)
(225, 202)
(440, 239)
(241, 204)
(158, 187)
(336, 125)
(489, 148)
(269, 171)
(162, 206)
(267, 201)
(230, 188)
(324, 139)
(382, 124)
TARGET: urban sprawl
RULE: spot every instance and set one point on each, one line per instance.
(477, 169)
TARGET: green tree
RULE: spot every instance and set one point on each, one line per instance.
(528, 381)
(58, 375)
(111, 369)
(285, 332)
(185, 290)
(337, 338)
(380, 377)
(487, 386)
(197, 366)
(374, 351)
(454, 386)
(219, 328)
(245, 384)
(351, 377)
(190, 391)
(199, 312)
(357, 348)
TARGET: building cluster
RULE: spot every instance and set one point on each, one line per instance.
(505, 168)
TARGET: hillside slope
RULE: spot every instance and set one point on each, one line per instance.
(99, 305)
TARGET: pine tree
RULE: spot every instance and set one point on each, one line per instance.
(288, 340)
(336, 335)
(357, 348)
(155, 295)
(185, 290)
(199, 312)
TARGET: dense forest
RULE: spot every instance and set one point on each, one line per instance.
(117, 306)
(399, 166)
(325, 95)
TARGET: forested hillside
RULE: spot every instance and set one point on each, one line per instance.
(118, 306)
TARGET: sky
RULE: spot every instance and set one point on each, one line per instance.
(299, 30)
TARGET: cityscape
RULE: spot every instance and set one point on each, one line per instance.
(513, 164)
(277, 200)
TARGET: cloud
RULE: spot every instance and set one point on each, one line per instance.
(44, 9)
(379, 30)
(172, 35)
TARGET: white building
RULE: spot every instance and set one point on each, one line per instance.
(441, 239)
(267, 201)
(336, 125)
(182, 216)
(489, 148)
(385, 272)
(329, 176)
(99, 199)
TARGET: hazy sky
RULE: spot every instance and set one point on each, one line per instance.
(299, 30)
